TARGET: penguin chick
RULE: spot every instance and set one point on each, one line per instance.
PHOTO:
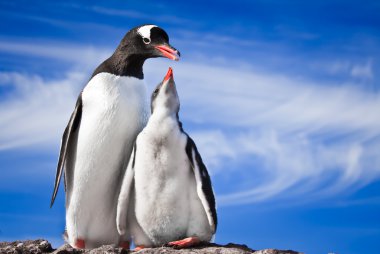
(166, 195)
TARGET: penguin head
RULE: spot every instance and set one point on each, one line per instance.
(165, 97)
(148, 41)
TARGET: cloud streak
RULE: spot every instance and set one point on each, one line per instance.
(36, 111)
(139, 15)
(56, 50)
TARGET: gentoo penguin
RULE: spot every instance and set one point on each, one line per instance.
(166, 195)
(97, 142)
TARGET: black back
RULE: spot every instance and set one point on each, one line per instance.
(206, 181)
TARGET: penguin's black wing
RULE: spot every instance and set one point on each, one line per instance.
(66, 142)
(204, 187)
(125, 191)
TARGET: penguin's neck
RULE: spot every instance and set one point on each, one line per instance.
(129, 65)
(163, 114)
(163, 117)
(123, 64)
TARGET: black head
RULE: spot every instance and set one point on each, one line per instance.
(165, 97)
(148, 41)
(139, 44)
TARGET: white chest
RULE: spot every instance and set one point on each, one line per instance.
(114, 112)
(109, 96)
(161, 158)
(162, 181)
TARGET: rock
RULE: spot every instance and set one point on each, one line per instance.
(26, 247)
(204, 249)
(273, 251)
(44, 247)
(106, 249)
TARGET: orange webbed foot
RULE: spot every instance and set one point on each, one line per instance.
(139, 247)
(184, 243)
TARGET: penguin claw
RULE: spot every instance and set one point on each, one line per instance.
(79, 244)
(184, 243)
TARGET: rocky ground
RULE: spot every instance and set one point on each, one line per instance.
(43, 247)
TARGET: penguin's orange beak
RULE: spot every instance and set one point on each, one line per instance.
(169, 80)
(168, 51)
(169, 74)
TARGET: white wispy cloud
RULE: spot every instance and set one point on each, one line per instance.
(56, 50)
(310, 138)
(173, 19)
(243, 97)
(36, 111)
(294, 166)
(216, 148)
(363, 70)
(356, 69)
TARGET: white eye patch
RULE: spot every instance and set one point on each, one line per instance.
(144, 31)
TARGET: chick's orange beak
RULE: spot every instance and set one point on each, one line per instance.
(169, 74)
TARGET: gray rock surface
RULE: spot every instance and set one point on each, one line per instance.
(43, 247)
(39, 246)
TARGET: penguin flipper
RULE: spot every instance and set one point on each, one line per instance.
(124, 196)
(204, 187)
(67, 139)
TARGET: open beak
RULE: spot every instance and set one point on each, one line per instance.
(168, 51)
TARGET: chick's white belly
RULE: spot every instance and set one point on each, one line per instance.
(161, 194)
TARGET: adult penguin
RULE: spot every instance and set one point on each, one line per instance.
(110, 112)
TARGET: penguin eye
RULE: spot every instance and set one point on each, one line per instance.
(146, 40)
(156, 91)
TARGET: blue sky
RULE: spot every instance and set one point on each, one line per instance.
(282, 100)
